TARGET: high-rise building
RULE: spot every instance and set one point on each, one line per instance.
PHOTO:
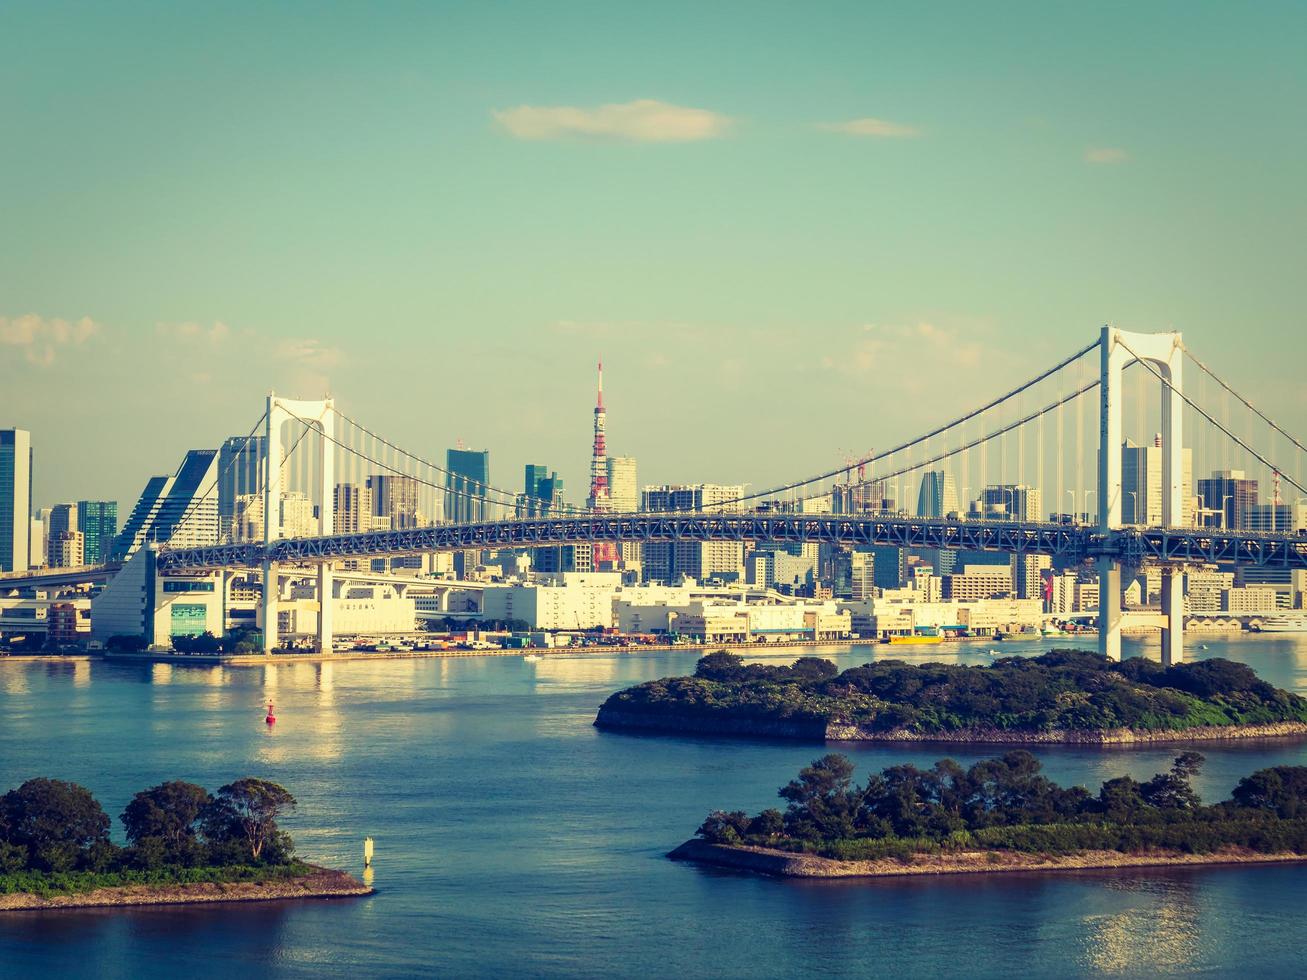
(623, 489)
(67, 549)
(352, 506)
(542, 491)
(1011, 501)
(1229, 496)
(1141, 484)
(240, 464)
(36, 547)
(98, 522)
(395, 498)
(712, 497)
(15, 499)
(466, 479)
(938, 496)
(1030, 575)
(1278, 518)
(667, 561)
(181, 508)
(862, 578)
(62, 519)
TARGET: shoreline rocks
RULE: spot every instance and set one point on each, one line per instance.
(817, 730)
(786, 864)
(319, 883)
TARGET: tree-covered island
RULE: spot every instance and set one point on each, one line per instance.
(1003, 814)
(1061, 696)
(183, 845)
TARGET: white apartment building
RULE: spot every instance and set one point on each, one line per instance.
(562, 601)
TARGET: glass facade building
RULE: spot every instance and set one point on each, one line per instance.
(15, 499)
(98, 522)
(466, 479)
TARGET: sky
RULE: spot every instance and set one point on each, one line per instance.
(792, 231)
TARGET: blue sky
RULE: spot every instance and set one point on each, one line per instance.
(795, 228)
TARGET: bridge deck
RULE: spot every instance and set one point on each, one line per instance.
(1072, 542)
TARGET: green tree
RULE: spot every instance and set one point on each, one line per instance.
(169, 814)
(822, 800)
(57, 823)
(247, 811)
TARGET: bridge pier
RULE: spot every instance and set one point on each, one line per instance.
(1173, 610)
(271, 593)
(1109, 608)
(325, 636)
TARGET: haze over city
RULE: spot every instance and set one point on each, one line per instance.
(762, 216)
(544, 489)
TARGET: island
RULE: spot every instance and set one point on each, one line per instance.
(184, 845)
(1066, 696)
(1002, 814)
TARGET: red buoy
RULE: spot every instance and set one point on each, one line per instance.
(272, 718)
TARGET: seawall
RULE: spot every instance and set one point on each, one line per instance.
(320, 883)
(785, 864)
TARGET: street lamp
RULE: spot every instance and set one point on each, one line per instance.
(1134, 506)
(1087, 493)
(1074, 517)
(1225, 523)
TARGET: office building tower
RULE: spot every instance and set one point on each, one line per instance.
(667, 561)
(352, 506)
(36, 547)
(181, 509)
(938, 496)
(98, 522)
(1228, 498)
(1011, 502)
(395, 499)
(240, 473)
(862, 576)
(711, 497)
(466, 480)
(15, 499)
(62, 519)
(623, 490)
(1278, 518)
(542, 491)
(67, 550)
(1141, 485)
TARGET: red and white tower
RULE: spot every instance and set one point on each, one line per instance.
(605, 552)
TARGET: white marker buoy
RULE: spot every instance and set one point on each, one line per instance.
(367, 852)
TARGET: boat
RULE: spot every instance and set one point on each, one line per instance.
(1282, 624)
(531, 657)
(920, 638)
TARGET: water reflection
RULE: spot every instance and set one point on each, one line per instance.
(1159, 931)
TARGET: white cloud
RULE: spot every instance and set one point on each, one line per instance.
(910, 356)
(215, 334)
(869, 126)
(641, 121)
(40, 337)
(1106, 154)
(308, 352)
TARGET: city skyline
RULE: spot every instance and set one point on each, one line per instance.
(846, 238)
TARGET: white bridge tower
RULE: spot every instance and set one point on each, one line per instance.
(1165, 352)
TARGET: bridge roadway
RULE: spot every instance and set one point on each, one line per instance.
(1071, 542)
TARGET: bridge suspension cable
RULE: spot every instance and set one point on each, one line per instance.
(913, 443)
(445, 489)
(1223, 428)
(509, 497)
(1247, 404)
(197, 501)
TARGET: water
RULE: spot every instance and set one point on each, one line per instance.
(514, 839)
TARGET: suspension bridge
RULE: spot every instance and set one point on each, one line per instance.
(1039, 434)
